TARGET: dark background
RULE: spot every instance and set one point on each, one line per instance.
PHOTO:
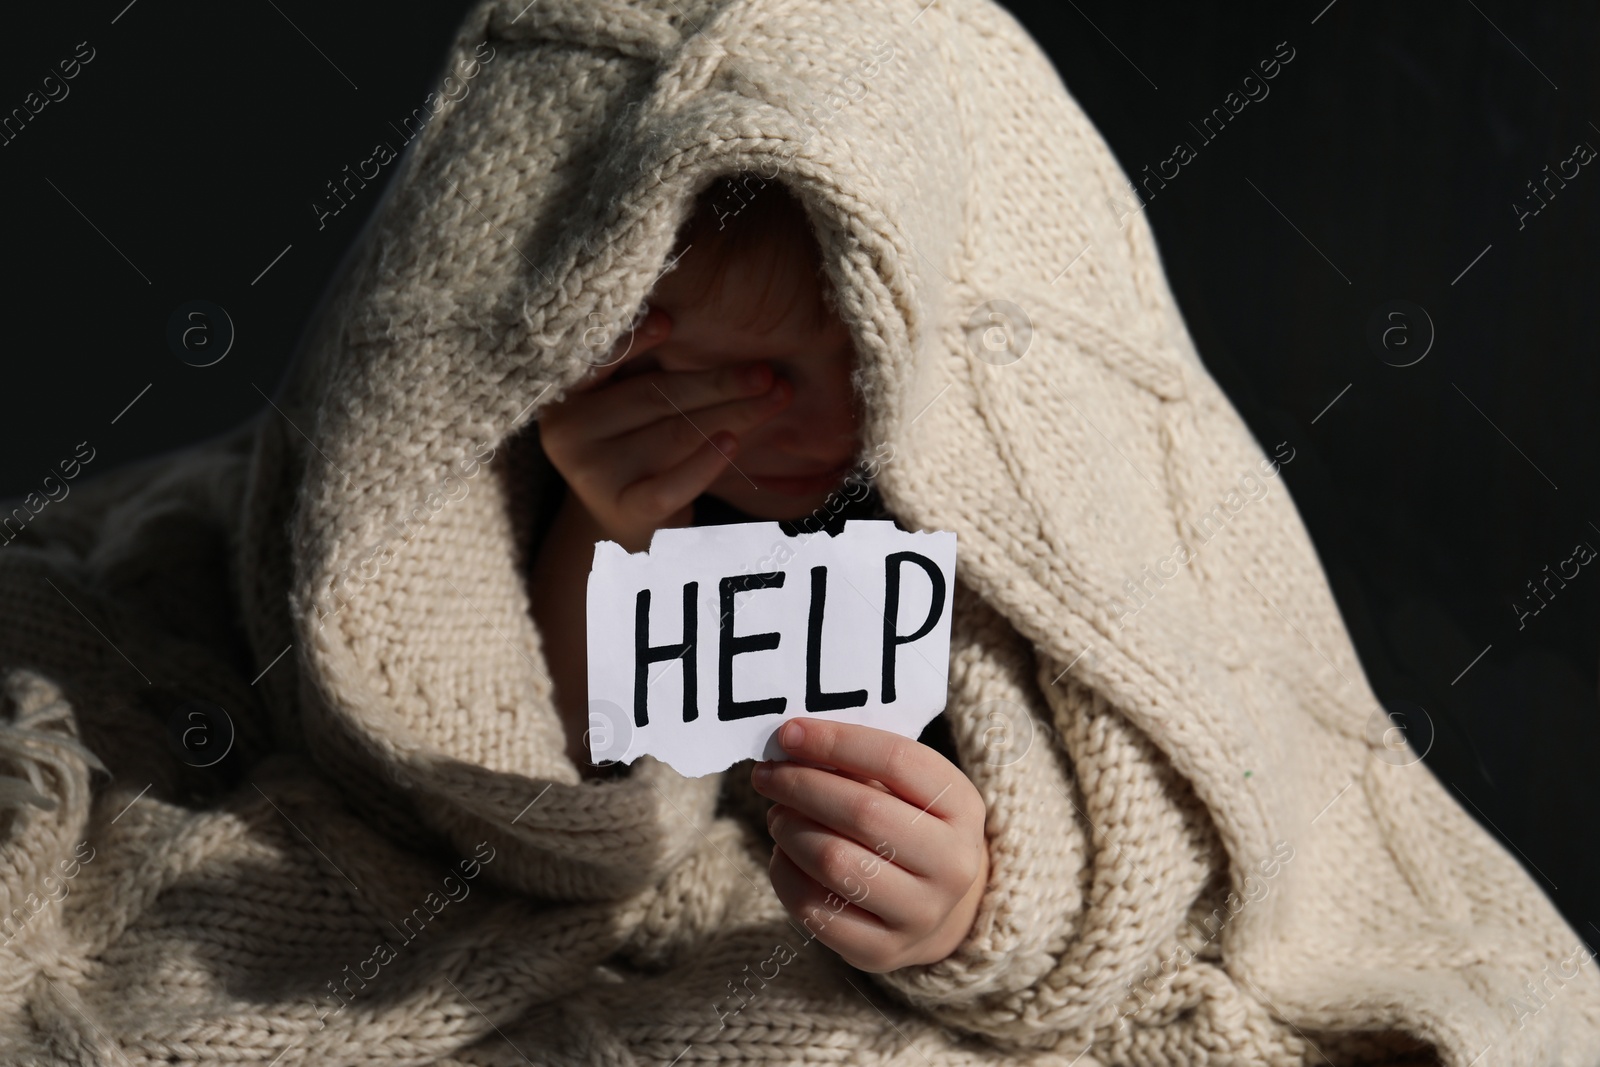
(1383, 165)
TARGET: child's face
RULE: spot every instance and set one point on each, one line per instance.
(800, 455)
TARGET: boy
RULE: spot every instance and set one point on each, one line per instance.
(733, 394)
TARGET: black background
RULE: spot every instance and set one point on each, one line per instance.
(1383, 165)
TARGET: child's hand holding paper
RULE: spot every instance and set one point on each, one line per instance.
(822, 657)
(884, 858)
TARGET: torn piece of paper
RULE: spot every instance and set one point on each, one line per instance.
(700, 648)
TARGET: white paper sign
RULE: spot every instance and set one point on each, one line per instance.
(700, 648)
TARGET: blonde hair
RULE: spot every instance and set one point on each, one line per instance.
(743, 215)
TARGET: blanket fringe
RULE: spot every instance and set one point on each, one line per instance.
(40, 734)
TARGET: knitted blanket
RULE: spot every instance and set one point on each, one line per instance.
(281, 779)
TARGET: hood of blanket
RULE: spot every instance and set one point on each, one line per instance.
(1017, 345)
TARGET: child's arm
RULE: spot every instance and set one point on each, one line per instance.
(881, 852)
(560, 581)
(634, 452)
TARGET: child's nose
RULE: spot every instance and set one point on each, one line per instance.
(809, 429)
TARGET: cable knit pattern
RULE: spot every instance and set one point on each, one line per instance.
(1202, 852)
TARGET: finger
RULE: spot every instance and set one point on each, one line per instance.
(669, 441)
(859, 874)
(855, 934)
(916, 773)
(660, 495)
(630, 403)
(871, 817)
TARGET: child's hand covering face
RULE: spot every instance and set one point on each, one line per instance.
(637, 449)
(714, 392)
(883, 858)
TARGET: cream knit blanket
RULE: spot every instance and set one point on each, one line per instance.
(1207, 845)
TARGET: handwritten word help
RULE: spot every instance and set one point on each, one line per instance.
(697, 658)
